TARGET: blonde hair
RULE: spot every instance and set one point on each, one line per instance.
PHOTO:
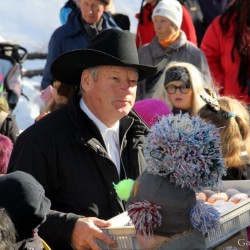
(4, 106)
(235, 136)
(197, 82)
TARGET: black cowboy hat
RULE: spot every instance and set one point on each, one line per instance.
(110, 47)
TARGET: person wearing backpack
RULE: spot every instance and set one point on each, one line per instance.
(8, 124)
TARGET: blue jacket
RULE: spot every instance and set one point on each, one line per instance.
(69, 37)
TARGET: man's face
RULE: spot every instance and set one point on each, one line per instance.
(91, 10)
(111, 94)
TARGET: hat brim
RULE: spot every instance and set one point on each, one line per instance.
(68, 67)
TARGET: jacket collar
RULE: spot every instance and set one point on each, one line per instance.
(158, 51)
(90, 132)
(75, 24)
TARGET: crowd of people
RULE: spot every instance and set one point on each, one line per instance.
(113, 101)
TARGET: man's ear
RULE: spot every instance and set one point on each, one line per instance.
(86, 80)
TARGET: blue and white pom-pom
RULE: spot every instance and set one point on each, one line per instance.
(204, 217)
(186, 150)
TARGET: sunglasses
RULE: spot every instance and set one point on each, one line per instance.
(184, 89)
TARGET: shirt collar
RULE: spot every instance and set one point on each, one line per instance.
(102, 127)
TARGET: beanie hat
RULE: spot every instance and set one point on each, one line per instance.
(24, 199)
(6, 147)
(177, 73)
(150, 110)
(182, 155)
(171, 9)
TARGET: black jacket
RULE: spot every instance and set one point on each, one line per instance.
(65, 152)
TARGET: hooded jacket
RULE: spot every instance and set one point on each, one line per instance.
(68, 37)
(65, 152)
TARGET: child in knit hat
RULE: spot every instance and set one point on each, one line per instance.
(182, 86)
(150, 110)
(182, 156)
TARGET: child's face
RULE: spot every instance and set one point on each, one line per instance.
(180, 95)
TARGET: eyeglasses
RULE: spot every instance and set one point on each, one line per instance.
(184, 89)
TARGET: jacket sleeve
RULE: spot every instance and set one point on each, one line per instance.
(57, 229)
(53, 52)
(211, 47)
(28, 156)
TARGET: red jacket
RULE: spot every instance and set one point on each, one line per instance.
(217, 48)
(145, 32)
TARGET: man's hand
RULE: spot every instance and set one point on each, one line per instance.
(86, 231)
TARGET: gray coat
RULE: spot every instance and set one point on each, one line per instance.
(182, 51)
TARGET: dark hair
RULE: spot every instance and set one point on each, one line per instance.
(7, 231)
(141, 12)
(65, 90)
(238, 12)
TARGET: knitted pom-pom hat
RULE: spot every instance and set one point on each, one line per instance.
(151, 110)
(182, 156)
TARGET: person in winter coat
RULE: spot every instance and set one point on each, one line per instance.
(226, 44)
(145, 28)
(170, 43)
(79, 151)
(81, 27)
(211, 9)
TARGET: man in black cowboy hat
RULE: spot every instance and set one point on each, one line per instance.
(79, 151)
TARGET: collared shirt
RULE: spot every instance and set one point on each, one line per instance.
(110, 135)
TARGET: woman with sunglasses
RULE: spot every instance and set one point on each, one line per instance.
(181, 86)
